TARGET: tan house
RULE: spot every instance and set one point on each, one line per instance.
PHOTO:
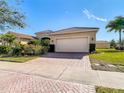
(102, 44)
(22, 38)
(75, 39)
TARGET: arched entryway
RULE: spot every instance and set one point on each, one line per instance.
(46, 42)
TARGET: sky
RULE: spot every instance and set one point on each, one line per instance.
(58, 14)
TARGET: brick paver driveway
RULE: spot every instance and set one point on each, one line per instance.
(54, 65)
(12, 82)
(46, 74)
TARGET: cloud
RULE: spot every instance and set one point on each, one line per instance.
(92, 16)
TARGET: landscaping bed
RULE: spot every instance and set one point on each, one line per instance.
(108, 90)
(18, 59)
(108, 60)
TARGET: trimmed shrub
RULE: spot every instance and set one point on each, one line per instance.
(45, 42)
(35, 42)
(32, 50)
(45, 49)
(38, 50)
(17, 50)
(92, 48)
(5, 49)
(22, 50)
(27, 50)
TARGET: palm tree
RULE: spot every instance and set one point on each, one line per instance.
(116, 25)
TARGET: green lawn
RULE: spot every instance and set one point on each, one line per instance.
(18, 59)
(108, 90)
(108, 56)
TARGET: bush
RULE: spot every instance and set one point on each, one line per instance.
(113, 44)
(119, 48)
(35, 42)
(45, 42)
(92, 48)
(27, 50)
(38, 50)
(17, 50)
(45, 49)
(5, 49)
(32, 50)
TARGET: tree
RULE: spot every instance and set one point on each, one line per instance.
(7, 39)
(122, 43)
(35, 42)
(112, 43)
(45, 42)
(116, 25)
(10, 17)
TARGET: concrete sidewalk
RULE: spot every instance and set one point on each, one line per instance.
(98, 78)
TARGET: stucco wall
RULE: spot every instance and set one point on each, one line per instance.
(22, 41)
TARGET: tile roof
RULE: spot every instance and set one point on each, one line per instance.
(69, 29)
(44, 32)
(22, 36)
(76, 28)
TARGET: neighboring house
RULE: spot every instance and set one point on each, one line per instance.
(75, 39)
(22, 38)
(102, 44)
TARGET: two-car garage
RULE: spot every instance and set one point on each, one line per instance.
(76, 39)
(78, 44)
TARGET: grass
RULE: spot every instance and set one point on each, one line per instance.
(19, 59)
(108, 90)
(109, 56)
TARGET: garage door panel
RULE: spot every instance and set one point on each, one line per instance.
(72, 45)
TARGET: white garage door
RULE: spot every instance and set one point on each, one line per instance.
(72, 45)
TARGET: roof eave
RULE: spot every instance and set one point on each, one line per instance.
(69, 32)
